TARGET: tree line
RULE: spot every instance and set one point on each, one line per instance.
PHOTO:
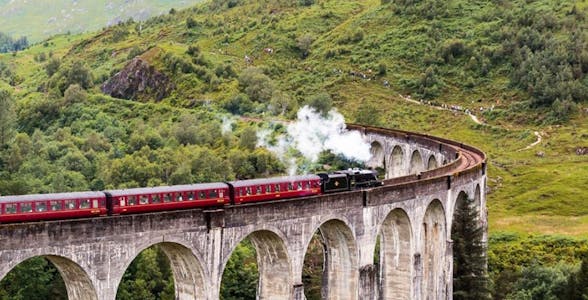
(8, 44)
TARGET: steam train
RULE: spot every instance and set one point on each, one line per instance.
(59, 206)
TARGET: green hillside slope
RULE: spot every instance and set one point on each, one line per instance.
(40, 19)
(368, 57)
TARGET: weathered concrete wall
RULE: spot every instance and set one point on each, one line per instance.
(412, 218)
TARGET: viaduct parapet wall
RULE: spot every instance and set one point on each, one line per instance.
(411, 215)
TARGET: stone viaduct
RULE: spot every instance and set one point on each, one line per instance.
(411, 214)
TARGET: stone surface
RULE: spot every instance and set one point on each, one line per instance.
(412, 216)
(138, 80)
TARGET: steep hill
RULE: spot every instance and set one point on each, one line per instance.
(519, 66)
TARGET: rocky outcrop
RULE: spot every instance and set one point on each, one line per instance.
(138, 81)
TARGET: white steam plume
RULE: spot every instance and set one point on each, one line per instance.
(311, 134)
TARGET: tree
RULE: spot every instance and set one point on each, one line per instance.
(52, 66)
(322, 103)
(258, 86)
(74, 94)
(6, 117)
(303, 43)
(470, 278)
(240, 277)
(367, 114)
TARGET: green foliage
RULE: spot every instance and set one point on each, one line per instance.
(256, 85)
(321, 102)
(33, 279)
(52, 66)
(470, 279)
(538, 282)
(367, 114)
(303, 43)
(7, 117)
(240, 276)
(312, 273)
(148, 277)
(525, 267)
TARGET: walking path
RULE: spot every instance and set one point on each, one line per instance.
(472, 116)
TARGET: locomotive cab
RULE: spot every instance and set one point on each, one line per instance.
(347, 180)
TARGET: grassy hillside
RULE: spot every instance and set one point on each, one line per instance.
(38, 20)
(364, 55)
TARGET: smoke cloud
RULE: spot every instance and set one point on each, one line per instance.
(312, 134)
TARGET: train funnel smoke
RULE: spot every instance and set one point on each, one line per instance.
(312, 134)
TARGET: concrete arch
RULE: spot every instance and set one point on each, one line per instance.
(396, 256)
(433, 237)
(396, 168)
(432, 163)
(341, 271)
(78, 284)
(186, 268)
(416, 162)
(273, 263)
(377, 152)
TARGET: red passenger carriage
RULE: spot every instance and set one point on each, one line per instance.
(27, 208)
(275, 188)
(138, 200)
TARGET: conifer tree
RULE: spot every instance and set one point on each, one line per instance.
(470, 278)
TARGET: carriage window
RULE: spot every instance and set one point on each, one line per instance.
(131, 201)
(290, 186)
(144, 199)
(167, 198)
(201, 195)
(213, 194)
(155, 199)
(191, 196)
(10, 208)
(41, 206)
(179, 197)
(55, 205)
(248, 189)
(277, 188)
(268, 188)
(258, 190)
(95, 203)
(70, 204)
(26, 207)
(308, 185)
(85, 203)
(299, 186)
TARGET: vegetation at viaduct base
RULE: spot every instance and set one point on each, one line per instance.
(519, 66)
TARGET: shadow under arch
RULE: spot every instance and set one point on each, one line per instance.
(187, 271)
(433, 237)
(340, 271)
(78, 284)
(377, 152)
(396, 256)
(396, 162)
(416, 162)
(273, 264)
(432, 163)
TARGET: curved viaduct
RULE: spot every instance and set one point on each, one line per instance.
(411, 214)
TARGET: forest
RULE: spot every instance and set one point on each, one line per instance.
(69, 123)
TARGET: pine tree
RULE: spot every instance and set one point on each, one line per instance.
(470, 278)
